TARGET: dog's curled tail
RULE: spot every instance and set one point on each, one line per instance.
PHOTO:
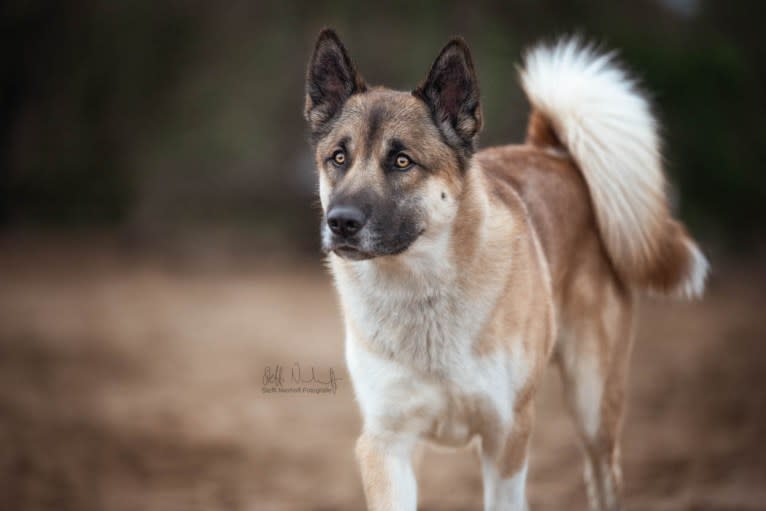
(584, 102)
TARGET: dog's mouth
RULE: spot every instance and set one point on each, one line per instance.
(351, 252)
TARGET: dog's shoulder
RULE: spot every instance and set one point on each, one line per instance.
(554, 193)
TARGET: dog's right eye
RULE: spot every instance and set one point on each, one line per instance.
(338, 158)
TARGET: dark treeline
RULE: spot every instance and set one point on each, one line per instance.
(151, 117)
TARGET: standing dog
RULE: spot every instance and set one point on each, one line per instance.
(461, 273)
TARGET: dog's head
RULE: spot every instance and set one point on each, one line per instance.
(391, 164)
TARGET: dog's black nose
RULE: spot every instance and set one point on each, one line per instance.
(346, 220)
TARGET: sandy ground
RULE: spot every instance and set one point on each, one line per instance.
(136, 382)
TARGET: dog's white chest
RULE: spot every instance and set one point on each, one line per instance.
(411, 352)
(473, 397)
(427, 325)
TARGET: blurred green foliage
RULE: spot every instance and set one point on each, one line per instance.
(155, 116)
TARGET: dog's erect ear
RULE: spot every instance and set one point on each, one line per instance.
(451, 91)
(331, 79)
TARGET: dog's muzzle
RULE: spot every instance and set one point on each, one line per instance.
(345, 224)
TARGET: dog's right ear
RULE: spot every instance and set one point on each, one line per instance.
(331, 79)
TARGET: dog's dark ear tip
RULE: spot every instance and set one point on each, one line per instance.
(328, 33)
(457, 45)
(457, 41)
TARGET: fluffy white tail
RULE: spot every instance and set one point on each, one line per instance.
(584, 101)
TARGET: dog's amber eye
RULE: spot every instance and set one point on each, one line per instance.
(339, 157)
(402, 162)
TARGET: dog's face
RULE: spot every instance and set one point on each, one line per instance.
(391, 164)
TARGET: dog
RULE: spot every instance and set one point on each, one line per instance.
(451, 261)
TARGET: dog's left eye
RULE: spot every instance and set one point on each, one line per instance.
(402, 162)
(339, 158)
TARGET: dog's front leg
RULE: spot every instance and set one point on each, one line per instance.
(504, 470)
(504, 492)
(385, 460)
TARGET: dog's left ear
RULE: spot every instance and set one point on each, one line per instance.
(451, 91)
(330, 80)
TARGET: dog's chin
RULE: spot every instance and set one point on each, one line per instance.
(354, 254)
(351, 253)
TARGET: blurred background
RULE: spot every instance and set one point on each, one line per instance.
(159, 250)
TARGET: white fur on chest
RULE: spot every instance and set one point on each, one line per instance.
(444, 409)
(411, 354)
(417, 314)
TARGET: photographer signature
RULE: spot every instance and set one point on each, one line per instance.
(299, 376)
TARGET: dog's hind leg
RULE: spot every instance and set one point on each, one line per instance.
(593, 353)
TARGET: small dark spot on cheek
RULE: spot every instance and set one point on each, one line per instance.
(444, 195)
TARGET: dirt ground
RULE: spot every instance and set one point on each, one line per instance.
(131, 381)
